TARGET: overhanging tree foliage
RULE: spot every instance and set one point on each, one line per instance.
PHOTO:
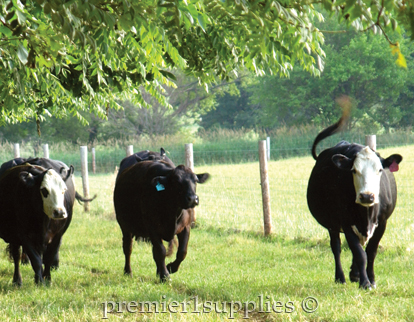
(61, 57)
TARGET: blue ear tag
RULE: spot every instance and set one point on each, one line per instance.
(159, 187)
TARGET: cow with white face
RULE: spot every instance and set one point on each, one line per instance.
(352, 190)
(31, 199)
(56, 228)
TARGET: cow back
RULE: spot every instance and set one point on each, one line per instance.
(143, 156)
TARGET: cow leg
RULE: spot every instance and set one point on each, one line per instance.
(359, 260)
(183, 238)
(159, 253)
(50, 256)
(354, 273)
(371, 251)
(36, 261)
(127, 247)
(336, 250)
(15, 253)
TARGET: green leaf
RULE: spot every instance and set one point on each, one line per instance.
(202, 21)
(22, 53)
(5, 31)
(21, 16)
(168, 74)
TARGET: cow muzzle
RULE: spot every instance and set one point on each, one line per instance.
(60, 214)
(366, 199)
(192, 201)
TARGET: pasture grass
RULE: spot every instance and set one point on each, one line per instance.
(228, 258)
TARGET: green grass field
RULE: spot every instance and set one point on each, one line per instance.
(228, 259)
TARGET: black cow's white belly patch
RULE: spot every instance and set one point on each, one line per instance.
(363, 239)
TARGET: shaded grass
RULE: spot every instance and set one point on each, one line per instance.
(228, 258)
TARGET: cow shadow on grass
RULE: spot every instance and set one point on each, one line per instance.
(6, 285)
(305, 242)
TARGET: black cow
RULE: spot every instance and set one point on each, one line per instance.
(56, 228)
(152, 200)
(352, 190)
(31, 200)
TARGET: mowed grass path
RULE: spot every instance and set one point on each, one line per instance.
(228, 259)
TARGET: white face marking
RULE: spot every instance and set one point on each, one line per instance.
(53, 202)
(367, 172)
(362, 239)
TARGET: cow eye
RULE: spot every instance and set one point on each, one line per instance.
(353, 170)
(380, 171)
(44, 192)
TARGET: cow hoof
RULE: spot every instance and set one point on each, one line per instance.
(366, 286)
(171, 269)
(54, 266)
(340, 280)
(165, 279)
(17, 283)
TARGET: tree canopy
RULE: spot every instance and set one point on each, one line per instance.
(63, 57)
(382, 93)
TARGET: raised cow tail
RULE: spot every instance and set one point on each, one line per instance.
(81, 199)
(345, 104)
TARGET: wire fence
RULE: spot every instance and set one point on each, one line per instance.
(206, 153)
(231, 199)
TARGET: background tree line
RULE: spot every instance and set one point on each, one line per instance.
(357, 64)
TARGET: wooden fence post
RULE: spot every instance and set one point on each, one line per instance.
(129, 150)
(93, 161)
(46, 151)
(16, 150)
(264, 182)
(371, 141)
(268, 148)
(189, 163)
(189, 157)
(84, 171)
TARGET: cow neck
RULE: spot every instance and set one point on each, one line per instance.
(371, 221)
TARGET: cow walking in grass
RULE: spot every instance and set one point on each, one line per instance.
(56, 228)
(152, 200)
(352, 190)
(31, 200)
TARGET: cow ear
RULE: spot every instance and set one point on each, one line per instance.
(392, 162)
(159, 180)
(203, 177)
(66, 173)
(342, 162)
(27, 178)
(162, 152)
